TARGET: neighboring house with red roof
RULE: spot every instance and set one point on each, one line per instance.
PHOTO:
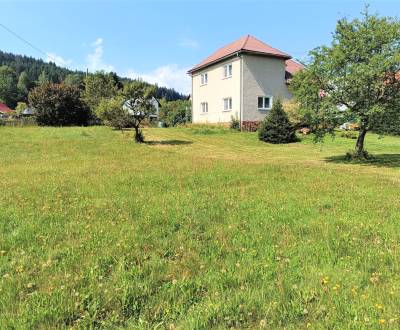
(241, 80)
(5, 111)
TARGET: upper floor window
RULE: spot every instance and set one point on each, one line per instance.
(227, 70)
(204, 78)
(264, 102)
(227, 104)
(204, 107)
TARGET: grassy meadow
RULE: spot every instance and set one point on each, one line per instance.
(196, 229)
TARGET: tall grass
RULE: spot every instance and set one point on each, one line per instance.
(195, 231)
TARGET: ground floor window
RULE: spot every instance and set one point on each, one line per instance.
(227, 104)
(264, 102)
(204, 107)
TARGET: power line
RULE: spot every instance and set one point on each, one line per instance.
(26, 41)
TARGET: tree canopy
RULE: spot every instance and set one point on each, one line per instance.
(8, 85)
(58, 105)
(357, 74)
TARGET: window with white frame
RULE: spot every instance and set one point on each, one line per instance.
(227, 70)
(204, 107)
(204, 78)
(264, 102)
(227, 104)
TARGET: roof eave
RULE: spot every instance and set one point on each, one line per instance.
(243, 51)
(198, 68)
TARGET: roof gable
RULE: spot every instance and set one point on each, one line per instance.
(4, 108)
(247, 44)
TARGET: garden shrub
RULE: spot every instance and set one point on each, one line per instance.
(175, 113)
(234, 123)
(58, 105)
(276, 127)
(349, 134)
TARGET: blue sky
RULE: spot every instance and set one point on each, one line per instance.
(160, 40)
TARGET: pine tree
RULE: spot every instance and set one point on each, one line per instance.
(23, 86)
(276, 127)
(43, 78)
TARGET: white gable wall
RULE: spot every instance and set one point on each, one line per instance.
(252, 76)
(215, 91)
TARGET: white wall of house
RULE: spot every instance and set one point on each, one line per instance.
(262, 77)
(215, 91)
(252, 77)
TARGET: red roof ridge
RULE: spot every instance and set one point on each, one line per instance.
(247, 43)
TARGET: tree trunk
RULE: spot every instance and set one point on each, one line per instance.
(360, 143)
(138, 135)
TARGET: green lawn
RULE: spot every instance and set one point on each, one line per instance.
(197, 229)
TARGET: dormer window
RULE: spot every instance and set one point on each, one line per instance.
(204, 78)
(227, 70)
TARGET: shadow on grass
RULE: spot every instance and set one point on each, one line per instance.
(381, 160)
(168, 142)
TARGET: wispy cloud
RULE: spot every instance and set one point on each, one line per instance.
(95, 59)
(170, 75)
(58, 60)
(189, 43)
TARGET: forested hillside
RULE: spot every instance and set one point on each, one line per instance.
(19, 74)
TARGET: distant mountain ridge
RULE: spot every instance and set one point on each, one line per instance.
(56, 74)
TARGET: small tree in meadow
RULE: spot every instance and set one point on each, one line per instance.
(276, 127)
(138, 103)
(114, 114)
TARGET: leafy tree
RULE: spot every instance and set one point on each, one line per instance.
(276, 127)
(114, 114)
(23, 86)
(176, 112)
(21, 106)
(138, 95)
(355, 75)
(8, 85)
(74, 79)
(43, 78)
(98, 86)
(388, 122)
(58, 105)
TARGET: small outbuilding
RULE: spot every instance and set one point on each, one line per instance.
(5, 111)
(28, 112)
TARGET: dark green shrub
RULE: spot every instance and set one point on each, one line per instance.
(349, 134)
(234, 124)
(276, 127)
(58, 105)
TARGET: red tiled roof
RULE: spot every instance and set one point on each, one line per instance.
(4, 108)
(246, 44)
(292, 66)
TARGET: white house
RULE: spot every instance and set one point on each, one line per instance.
(240, 80)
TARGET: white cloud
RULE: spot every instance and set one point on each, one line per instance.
(95, 59)
(58, 60)
(189, 43)
(170, 75)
